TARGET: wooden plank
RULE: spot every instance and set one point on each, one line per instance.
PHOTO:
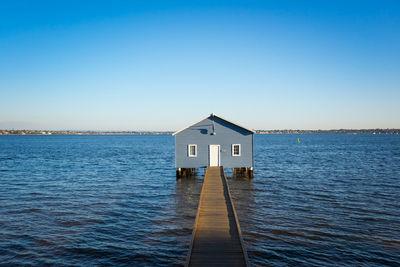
(216, 239)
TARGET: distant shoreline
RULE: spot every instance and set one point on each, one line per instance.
(336, 131)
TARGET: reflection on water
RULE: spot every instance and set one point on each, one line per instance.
(187, 197)
(242, 193)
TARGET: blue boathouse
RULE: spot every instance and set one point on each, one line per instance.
(214, 141)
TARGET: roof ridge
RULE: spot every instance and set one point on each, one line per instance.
(214, 115)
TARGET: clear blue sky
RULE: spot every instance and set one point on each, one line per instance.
(160, 65)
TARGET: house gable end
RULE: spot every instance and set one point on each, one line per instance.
(206, 124)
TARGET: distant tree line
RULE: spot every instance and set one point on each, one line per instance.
(67, 132)
(335, 131)
(50, 132)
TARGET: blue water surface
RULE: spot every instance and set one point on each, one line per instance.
(114, 200)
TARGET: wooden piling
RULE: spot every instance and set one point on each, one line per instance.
(185, 172)
(244, 172)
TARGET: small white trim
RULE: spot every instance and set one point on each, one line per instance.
(233, 150)
(195, 151)
(213, 115)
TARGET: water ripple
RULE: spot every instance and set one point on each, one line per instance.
(334, 199)
(114, 200)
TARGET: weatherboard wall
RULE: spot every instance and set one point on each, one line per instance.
(201, 135)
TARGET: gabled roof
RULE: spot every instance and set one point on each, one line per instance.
(213, 115)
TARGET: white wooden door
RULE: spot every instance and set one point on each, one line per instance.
(214, 155)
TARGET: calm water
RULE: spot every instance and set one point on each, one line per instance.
(114, 200)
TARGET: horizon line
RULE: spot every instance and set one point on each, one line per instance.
(138, 131)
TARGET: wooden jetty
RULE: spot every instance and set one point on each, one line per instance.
(217, 239)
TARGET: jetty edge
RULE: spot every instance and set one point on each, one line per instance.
(216, 238)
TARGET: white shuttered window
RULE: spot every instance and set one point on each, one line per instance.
(192, 150)
(236, 150)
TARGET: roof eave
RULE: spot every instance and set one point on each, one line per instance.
(181, 130)
(245, 128)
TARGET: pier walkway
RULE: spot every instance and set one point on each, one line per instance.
(216, 239)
